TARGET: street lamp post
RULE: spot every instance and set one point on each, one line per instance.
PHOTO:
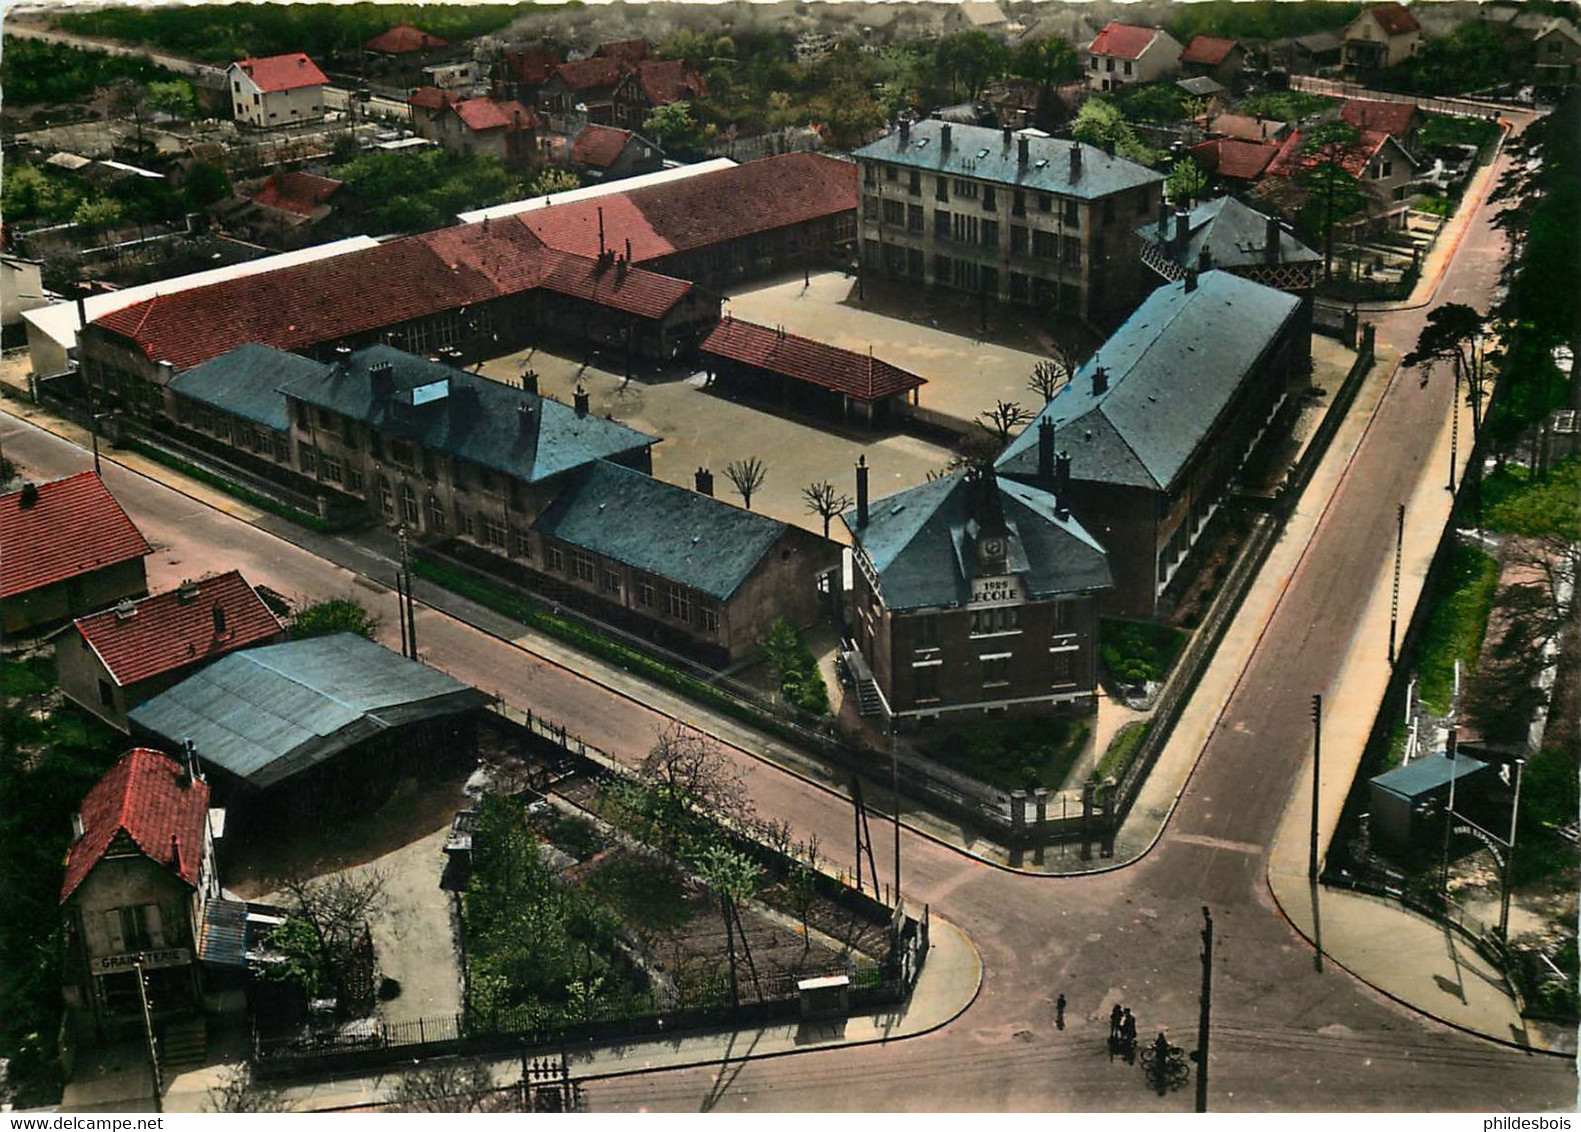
(1454, 430)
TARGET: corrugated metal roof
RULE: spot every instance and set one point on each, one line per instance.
(224, 936)
(266, 714)
(983, 153)
(1172, 368)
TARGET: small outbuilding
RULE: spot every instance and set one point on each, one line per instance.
(1408, 801)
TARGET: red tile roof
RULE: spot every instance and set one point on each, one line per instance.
(1290, 161)
(591, 74)
(1229, 157)
(626, 50)
(301, 193)
(432, 98)
(1395, 19)
(143, 795)
(1207, 49)
(1245, 128)
(671, 80)
(857, 375)
(283, 72)
(1123, 41)
(642, 293)
(177, 628)
(531, 67)
(599, 146)
(311, 303)
(1390, 117)
(73, 528)
(479, 114)
(704, 210)
(404, 39)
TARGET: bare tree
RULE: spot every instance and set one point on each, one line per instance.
(1003, 419)
(238, 1092)
(1049, 377)
(692, 776)
(748, 476)
(823, 500)
(449, 1086)
(336, 909)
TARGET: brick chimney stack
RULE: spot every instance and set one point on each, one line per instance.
(1075, 160)
(861, 491)
(1023, 152)
(1062, 486)
(580, 399)
(1045, 451)
(1271, 241)
(1100, 380)
(704, 482)
(944, 137)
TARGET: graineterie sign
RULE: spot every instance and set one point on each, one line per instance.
(151, 960)
(1001, 589)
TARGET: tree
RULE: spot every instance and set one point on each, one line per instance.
(673, 126)
(1099, 122)
(1186, 182)
(1335, 193)
(175, 98)
(1452, 333)
(966, 61)
(823, 500)
(238, 1092)
(205, 185)
(1047, 62)
(1003, 419)
(336, 909)
(733, 877)
(337, 615)
(691, 778)
(447, 1086)
(129, 99)
(1049, 377)
(748, 476)
(552, 181)
(97, 215)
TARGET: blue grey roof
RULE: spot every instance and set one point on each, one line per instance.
(1172, 368)
(917, 542)
(1235, 236)
(245, 383)
(266, 714)
(983, 153)
(463, 415)
(1425, 775)
(665, 530)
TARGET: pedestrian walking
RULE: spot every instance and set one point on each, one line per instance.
(1128, 1035)
(1059, 1013)
(1115, 1017)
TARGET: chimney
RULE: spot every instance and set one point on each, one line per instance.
(219, 620)
(905, 131)
(125, 609)
(381, 380)
(1075, 160)
(1023, 152)
(628, 249)
(175, 839)
(580, 400)
(861, 491)
(601, 232)
(188, 592)
(704, 482)
(1163, 219)
(1062, 486)
(1271, 241)
(1007, 135)
(167, 372)
(1045, 451)
(82, 311)
(1191, 281)
(1205, 259)
(1100, 380)
(29, 496)
(1451, 743)
(944, 138)
(530, 380)
(189, 762)
(526, 417)
(1182, 227)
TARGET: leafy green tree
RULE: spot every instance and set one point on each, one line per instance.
(175, 98)
(97, 215)
(337, 615)
(1186, 182)
(1099, 122)
(1451, 334)
(673, 126)
(1160, 103)
(1049, 61)
(205, 185)
(966, 61)
(28, 193)
(1334, 193)
(552, 180)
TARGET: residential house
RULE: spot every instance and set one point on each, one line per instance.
(1122, 54)
(1233, 164)
(1213, 57)
(401, 53)
(582, 91)
(279, 90)
(1306, 54)
(1556, 53)
(1157, 422)
(675, 565)
(462, 75)
(139, 877)
(1064, 23)
(603, 153)
(976, 15)
(21, 289)
(973, 595)
(1381, 165)
(767, 365)
(1244, 128)
(652, 84)
(426, 105)
(522, 72)
(68, 549)
(315, 729)
(1397, 119)
(1018, 217)
(1382, 36)
(628, 51)
(286, 207)
(113, 660)
(481, 127)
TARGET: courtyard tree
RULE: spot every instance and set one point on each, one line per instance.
(733, 878)
(1003, 419)
(690, 778)
(1185, 183)
(673, 126)
(748, 476)
(1049, 62)
(1453, 333)
(1333, 191)
(336, 615)
(335, 910)
(825, 502)
(966, 61)
(552, 181)
(1051, 375)
(175, 98)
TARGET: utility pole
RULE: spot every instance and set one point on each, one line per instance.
(1317, 763)
(1201, 1055)
(1394, 601)
(148, 1032)
(1454, 431)
(400, 609)
(1509, 857)
(409, 611)
(894, 786)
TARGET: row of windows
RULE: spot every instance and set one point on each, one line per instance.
(925, 627)
(993, 672)
(1109, 65)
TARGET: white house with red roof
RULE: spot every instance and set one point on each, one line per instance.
(1126, 53)
(505, 131)
(278, 90)
(139, 877)
(1382, 36)
(66, 548)
(113, 660)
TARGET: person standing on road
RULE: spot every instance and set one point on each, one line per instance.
(1115, 1017)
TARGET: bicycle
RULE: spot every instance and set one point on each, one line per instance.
(1166, 1066)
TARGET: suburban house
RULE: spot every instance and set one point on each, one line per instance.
(1556, 52)
(603, 153)
(314, 728)
(1009, 216)
(1242, 127)
(674, 565)
(426, 104)
(1233, 164)
(972, 595)
(1304, 54)
(111, 661)
(1156, 423)
(285, 207)
(651, 84)
(766, 365)
(976, 15)
(1212, 57)
(279, 90)
(628, 51)
(1397, 119)
(1382, 36)
(1381, 165)
(68, 549)
(583, 90)
(1122, 54)
(521, 72)
(482, 127)
(401, 53)
(139, 877)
